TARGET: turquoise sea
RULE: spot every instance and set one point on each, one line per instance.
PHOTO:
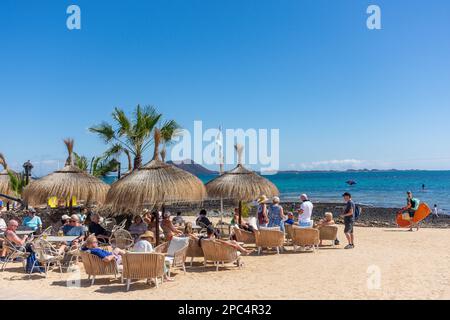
(378, 188)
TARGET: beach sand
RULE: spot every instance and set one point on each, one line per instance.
(411, 265)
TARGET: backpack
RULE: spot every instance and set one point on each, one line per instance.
(32, 261)
(357, 212)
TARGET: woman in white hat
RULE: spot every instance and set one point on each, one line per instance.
(263, 218)
(276, 214)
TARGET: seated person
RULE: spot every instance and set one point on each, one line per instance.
(12, 236)
(74, 229)
(290, 218)
(32, 221)
(138, 227)
(91, 246)
(243, 225)
(152, 224)
(16, 241)
(168, 228)
(178, 220)
(188, 230)
(144, 244)
(96, 229)
(202, 220)
(327, 221)
(231, 243)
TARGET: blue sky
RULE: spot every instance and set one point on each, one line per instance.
(342, 96)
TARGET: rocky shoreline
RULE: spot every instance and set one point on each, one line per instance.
(370, 216)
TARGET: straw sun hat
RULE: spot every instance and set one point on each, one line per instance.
(147, 234)
(262, 199)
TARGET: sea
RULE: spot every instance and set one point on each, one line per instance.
(376, 188)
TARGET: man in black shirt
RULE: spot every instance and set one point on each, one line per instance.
(348, 213)
(95, 228)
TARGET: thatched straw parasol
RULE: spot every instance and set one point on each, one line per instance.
(153, 186)
(5, 184)
(66, 183)
(240, 184)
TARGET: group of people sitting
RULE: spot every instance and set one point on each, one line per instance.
(272, 215)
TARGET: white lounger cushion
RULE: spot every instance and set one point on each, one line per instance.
(176, 244)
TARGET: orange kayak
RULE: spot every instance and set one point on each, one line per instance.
(422, 212)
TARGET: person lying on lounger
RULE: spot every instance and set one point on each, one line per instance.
(231, 243)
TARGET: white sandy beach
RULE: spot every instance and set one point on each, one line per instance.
(413, 265)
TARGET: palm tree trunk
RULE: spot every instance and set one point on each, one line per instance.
(137, 162)
(129, 160)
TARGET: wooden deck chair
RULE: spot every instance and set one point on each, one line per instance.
(121, 239)
(269, 238)
(194, 250)
(138, 266)
(220, 253)
(289, 231)
(305, 238)
(47, 256)
(175, 251)
(13, 252)
(328, 233)
(246, 237)
(94, 266)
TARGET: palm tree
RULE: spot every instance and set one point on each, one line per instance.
(130, 136)
(99, 167)
(169, 130)
(18, 182)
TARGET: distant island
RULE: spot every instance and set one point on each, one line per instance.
(197, 169)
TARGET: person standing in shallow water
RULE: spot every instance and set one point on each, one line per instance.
(348, 213)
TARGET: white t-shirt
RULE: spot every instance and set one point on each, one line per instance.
(2, 223)
(307, 208)
(142, 246)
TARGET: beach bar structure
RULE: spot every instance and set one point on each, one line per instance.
(68, 183)
(153, 186)
(240, 184)
(5, 181)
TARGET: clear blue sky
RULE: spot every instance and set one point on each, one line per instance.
(342, 95)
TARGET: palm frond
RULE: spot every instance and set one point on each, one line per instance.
(3, 161)
(124, 124)
(81, 162)
(104, 131)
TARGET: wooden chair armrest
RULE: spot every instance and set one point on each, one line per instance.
(162, 248)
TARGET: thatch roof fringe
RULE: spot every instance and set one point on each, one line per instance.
(69, 145)
(157, 141)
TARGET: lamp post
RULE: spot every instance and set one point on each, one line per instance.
(27, 167)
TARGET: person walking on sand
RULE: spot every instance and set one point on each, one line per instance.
(412, 204)
(348, 213)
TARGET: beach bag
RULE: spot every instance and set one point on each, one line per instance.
(357, 213)
(31, 260)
